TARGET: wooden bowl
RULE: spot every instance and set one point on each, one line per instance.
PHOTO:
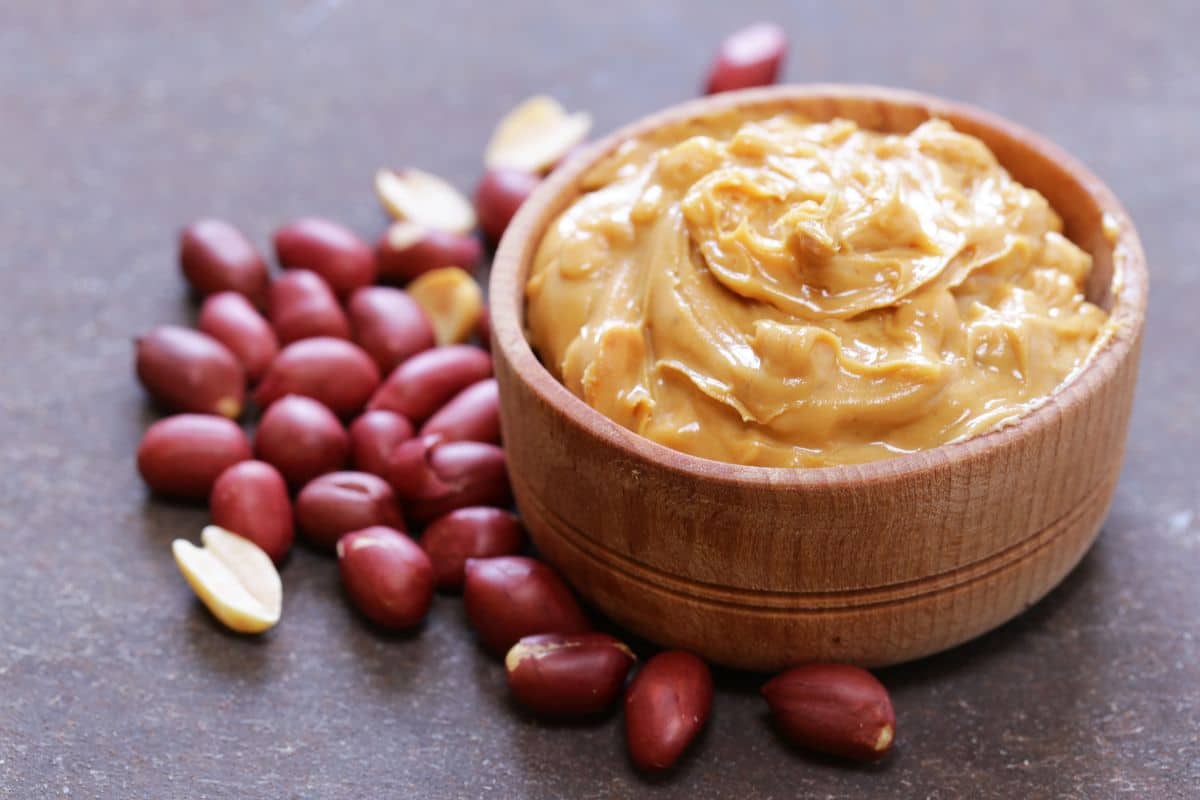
(761, 567)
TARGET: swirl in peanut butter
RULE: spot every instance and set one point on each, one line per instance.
(780, 293)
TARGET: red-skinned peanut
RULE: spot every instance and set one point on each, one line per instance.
(388, 325)
(387, 577)
(837, 709)
(229, 318)
(474, 532)
(216, 257)
(423, 383)
(567, 675)
(339, 502)
(749, 57)
(433, 477)
(408, 250)
(336, 373)
(374, 436)
(182, 456)
(471, 415)
(301, 305)
(186, 370)
(333, 251)
(511, 597)
(408, 470)
(251, 499)
(666, 707)
(499, 195)
(301, 438)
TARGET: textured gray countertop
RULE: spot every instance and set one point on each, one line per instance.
(119, 121)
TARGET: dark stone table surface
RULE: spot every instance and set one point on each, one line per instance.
(121, 120)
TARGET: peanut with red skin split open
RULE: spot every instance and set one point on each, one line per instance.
(339, 502)
(433, 477)
(181, 456)
(666, 707)
(471, 415)
(251, 499)
(475, 532)
(511, 597)
(749, 57)
(408, 250)
(387, 577)
(301, 305)
(565, 675)
(216, 257)
(230, 318)
(499, 195)
(389, 325)
(837, 709)
(186, 370)
(302, 439)
(334, 372)
(333, 251)
(423, 383)
(374, 436)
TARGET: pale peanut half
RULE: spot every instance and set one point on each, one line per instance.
(425, 199)
(452, 300)
(535, 135)
(233, 577)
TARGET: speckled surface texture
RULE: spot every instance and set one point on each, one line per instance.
(121, 120)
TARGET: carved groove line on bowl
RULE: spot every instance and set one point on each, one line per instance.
(819, 602)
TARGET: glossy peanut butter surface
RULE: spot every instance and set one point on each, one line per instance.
(779, 293)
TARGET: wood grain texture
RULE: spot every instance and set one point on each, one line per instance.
(876, 563)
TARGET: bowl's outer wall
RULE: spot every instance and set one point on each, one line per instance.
(874, 564)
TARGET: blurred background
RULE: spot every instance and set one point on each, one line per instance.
(121, 120)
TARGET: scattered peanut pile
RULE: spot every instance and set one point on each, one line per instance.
(385, 379)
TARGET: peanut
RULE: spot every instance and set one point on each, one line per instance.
(452, 301)
(186, 370)
(387, 577)
(423, 383)
(339, 502)
(567, 675)
(389, 325)
(833, 708)
(301, 305)
(749, 57)
(302, 439)
(408, 250)
(475, 532)
(374, 436)
(182, 456)
(498, 196)
(331, 250)
(229, 318)
(251, 499)
(666, 707)
(217, 257)
(233, 577)
(511, 597)
(336, 373)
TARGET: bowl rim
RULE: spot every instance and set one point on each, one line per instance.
(517, 247)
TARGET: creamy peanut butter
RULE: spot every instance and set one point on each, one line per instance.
(780, 293)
